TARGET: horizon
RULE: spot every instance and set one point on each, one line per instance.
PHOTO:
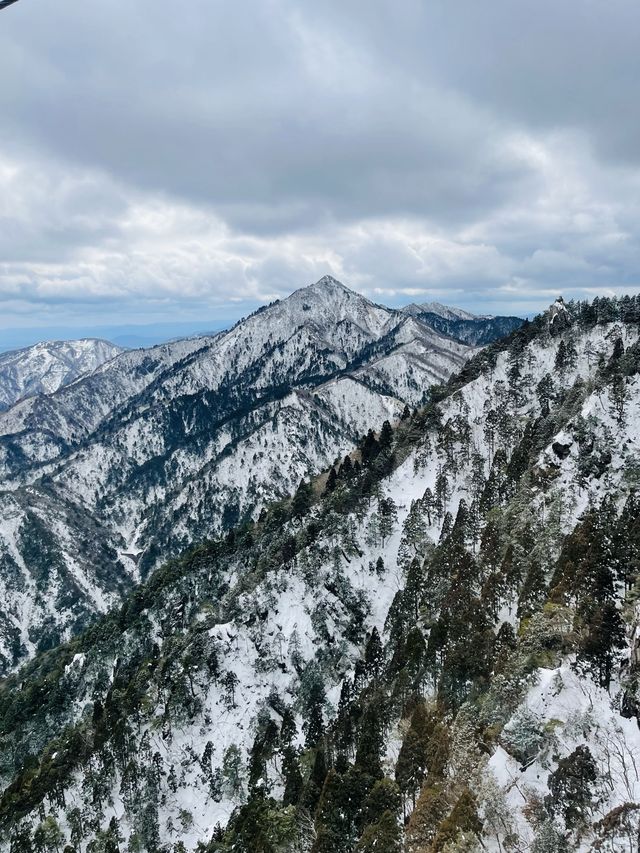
(423, 156)
(143, 335)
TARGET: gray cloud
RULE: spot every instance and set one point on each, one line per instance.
(156, 161)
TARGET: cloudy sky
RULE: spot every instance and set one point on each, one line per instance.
(181, 163)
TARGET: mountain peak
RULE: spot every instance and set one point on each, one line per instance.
(328, 301)
(325, 289)
(329, 281)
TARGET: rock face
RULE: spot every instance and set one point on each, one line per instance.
(445, 629)
(163, 447)
(46, 367)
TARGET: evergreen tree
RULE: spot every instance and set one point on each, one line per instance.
(385, 439)
(332, 481)
(370, 742)
(605, 635)
(313, 699)
(373, 656)
(293, 782)
(369, 448)
(560, 362)
(570, 787)
(346, 469)
(534, 591)
(426, 817)
(463, 819)
(302, 499)
(383, 836)
(388, 516)
(619, 398)
(335, 829)
(230, 682)
(411, 766)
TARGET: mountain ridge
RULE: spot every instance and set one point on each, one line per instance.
(45, 367)
(160, 447)
(422, 640)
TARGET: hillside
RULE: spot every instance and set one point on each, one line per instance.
(48, 366)
(436, 654)
(106, 478)
(461, 325)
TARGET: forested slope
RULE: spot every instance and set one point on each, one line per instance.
(433, 648)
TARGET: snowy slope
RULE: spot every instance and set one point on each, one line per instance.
(161, 448)
(471, 329)
(293, 599)
(48, 366)
(447, 312)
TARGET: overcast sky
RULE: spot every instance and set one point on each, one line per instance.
(181, 163)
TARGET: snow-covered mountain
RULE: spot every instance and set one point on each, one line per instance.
(446, 312)
(442, 629)
(46, 367)
(472, 329)
(163, 447)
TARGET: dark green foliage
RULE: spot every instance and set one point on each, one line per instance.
(383, 836)
(571, 787)
(441, 633)
(302, 499)
(338, 811)
(261, 826)
(463, 819)
(370, 741)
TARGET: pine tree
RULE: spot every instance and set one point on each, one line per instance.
(230, 682)
(383, 797)
(570, 787)
(463, 819)
(413, 591)
(441, 493)
(313, 697)
(343, 726)
(605, 635)
(388, 516)
(383, 836)
(411, 766)
(619, 398)
(373, 655)
(314, 784)
(233, 772)
(429, 505)
(293, 782)
(332, 481)
(346, 469)
(545, 391)
(427, 815)
(369, 448)
(370, 742)
(302, 499)
(385, 439)
(534, 591)
(414, 533)
(380, 567)
(335, 831)
(560, 362)
(48, 836)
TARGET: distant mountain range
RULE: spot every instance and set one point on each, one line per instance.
(48, 366)
(158, 448)
(433, 647)
(461, 325)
